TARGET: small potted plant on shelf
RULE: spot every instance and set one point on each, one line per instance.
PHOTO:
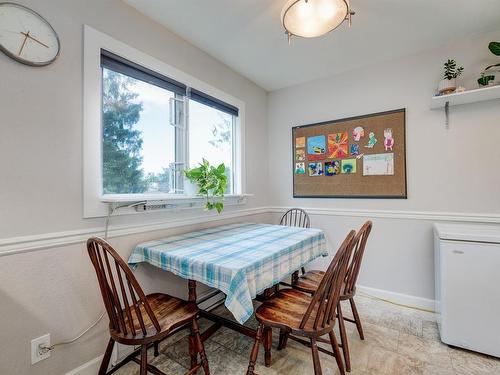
(211, 182)
(491, 75)
(451, 73)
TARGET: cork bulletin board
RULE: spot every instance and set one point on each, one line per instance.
(357, 157)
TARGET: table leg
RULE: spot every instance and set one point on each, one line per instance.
(192, 291)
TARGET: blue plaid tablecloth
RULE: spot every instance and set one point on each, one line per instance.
(241, 260)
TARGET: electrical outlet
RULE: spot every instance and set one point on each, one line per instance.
(36, 354)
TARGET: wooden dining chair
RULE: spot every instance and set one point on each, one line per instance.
(137, 319)
(310, 281)
(296, 217)
(301, 315)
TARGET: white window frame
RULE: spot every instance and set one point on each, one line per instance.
(95, 204)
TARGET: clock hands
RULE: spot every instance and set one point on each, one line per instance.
(27, 35)
(24, 43)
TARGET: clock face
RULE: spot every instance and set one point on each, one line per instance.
(26, 36)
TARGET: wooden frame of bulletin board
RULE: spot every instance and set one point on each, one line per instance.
(356, 157)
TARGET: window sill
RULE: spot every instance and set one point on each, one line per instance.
(143, 202)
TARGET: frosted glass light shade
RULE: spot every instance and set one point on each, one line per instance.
(313, 18)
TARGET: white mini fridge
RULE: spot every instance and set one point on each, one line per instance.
(467, 270)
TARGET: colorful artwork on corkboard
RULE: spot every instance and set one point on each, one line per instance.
(300, 154)
(300, 168)
(315, 169)
(356, 157)
(354, 149)
(348, 166)
(316, 147)
(378, 165)
(338, 145)
(300, 142)
(332, 168)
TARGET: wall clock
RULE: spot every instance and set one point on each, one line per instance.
(26, 36)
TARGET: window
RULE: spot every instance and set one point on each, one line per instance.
(145, 122)
(211, 133)
(153, 127)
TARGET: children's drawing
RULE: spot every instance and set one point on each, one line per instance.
(358, 133)
(371, 140)
(349, 166)
(338, 145)
(300, 154)
(315, 169)
(300, 168)
(300, 142)
(332, 168)
(389, 140)
(316, 147)
(378, 165)
(354, 149)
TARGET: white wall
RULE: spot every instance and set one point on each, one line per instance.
(54, 289)
(453, 170)
(41, 115)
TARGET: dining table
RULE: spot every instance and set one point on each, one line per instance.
(245, 261)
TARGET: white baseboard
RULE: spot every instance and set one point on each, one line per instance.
(399, 298)
(89, 368)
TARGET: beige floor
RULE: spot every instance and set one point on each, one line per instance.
(397, 341)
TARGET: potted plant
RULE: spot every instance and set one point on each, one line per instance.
(485, 80)
(211, 182)
(451, 72)
(493, 71)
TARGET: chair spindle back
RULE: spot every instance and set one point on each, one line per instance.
(122, 295)
(296, 217)
(327, 296)
(357, 257)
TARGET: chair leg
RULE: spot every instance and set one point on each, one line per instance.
(268, 341)
(200, 348)
(192, 350)
(255, 350)
(282, 340)
(156, 349)
(343, 338)
(315, 355)
(107, 356)
(357, 319)
(144, 360)
(336, 351)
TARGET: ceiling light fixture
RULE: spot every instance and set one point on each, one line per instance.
(313, 18)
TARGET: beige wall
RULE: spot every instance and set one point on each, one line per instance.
(449, 170)
(41, 116)
(54, 290)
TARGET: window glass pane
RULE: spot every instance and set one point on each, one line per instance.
(138, 141)
(211, 138)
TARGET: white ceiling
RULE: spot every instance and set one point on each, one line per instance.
(247, 35)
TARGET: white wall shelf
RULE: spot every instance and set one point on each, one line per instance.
(466, 97)
(470, 96)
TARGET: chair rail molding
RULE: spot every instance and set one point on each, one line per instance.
(398, 214)
(14, 245)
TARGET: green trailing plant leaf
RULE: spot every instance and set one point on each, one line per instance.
(484, 80)
(211, 182)
(492, 66)
(494, 48)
